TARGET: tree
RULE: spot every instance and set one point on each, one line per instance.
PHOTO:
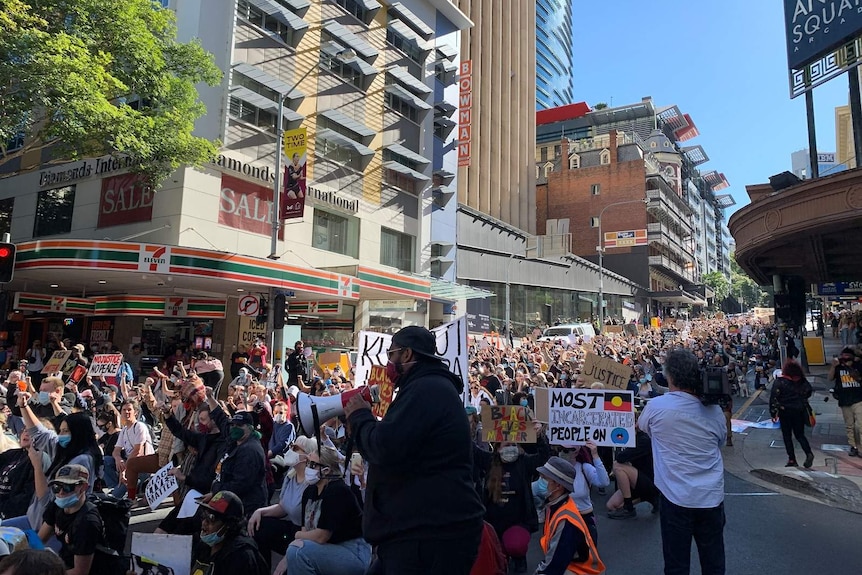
(744, 288)
(600, 106)
(86, 78)
(719, 284)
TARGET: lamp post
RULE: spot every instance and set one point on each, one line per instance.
(274, 338)
(601, 249)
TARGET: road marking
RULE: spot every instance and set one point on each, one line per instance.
(748, 403)
(764, 494)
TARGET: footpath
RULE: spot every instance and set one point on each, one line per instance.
(758, 455)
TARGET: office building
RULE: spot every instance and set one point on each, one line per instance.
(554, 53)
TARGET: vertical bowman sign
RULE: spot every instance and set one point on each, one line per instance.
(465, 112)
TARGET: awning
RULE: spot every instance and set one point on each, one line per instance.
(408, 153)
(447, 67)
(447, 108)
(264, 103)
(298, 5)
(281, 14)
(333, 49)
(408, 34)
(410, 81)
(405, 15)
(445, 190)
(258, 75)
(677, 296)
(447, 123)
(346, 121)
(444, 290)
(343, 141)
(447, 51)
(344, 35)
(370, 5)
(409, 96)
(404, 170)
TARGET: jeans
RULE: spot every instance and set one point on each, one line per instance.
(793, 423)
(345, 558)
(853, 423)
(111, 475)
(23, 524)
(427, 557)
(679, 525)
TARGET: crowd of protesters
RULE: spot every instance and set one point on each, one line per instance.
(356, 495)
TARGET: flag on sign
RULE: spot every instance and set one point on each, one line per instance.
(617, 401)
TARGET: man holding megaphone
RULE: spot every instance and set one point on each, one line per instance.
(421, 511)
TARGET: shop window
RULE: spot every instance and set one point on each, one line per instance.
(54, 212)
(335, 233)
(396, 249)
(6, 207)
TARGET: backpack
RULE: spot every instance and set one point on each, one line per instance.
(115, 515)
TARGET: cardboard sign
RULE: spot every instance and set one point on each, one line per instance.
(540, 400)
(451, 349)
(630, 329)
(160, 486)
(604, 417)
(77, 374)
(173, 552)
(384, 392)
(106, 364)
(507, 423)
(606, 370)
(56, 362)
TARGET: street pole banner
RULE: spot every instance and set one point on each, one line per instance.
(451, 349)
(56, 362)
(293, 198)
(160, 486)
(604, 369)
(106, 364)
(507, 423)
(576, 416)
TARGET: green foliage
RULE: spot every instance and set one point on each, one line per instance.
(718, 283)
(600, 106)
(87, 78)
(742, 286)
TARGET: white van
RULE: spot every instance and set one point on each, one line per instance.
(562, 332)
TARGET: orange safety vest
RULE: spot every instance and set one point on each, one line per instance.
(569, 512)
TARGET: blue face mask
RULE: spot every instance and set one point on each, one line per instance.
(66, 502)
(525, 403)
(543, 485)
(64, 440)
(44, 398)
(211, 539)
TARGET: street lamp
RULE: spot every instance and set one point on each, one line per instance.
(601, 249)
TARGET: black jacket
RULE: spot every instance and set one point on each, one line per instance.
(420, 461)
(238, 555)
(241, 469)
(22, 484)
(788, 396)
(296, 364)
(210, 448)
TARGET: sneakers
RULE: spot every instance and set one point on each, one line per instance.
(623, 513)
(791, 463)
(854, 452)
(809, 460)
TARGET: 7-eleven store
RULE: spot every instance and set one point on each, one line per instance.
(160, 295)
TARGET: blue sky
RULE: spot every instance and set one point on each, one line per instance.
(722, 62)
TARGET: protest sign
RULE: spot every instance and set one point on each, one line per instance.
(606, 370)
(160, 486)
(451, 339)
(171, 551)
(56, 362)
(540, 400)
(106, 364)
(576, 416)
(77, 374)
(190, 505)
(507, 423)
(630, 329)
(383, 393)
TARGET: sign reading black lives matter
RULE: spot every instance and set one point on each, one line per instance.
(814, 28)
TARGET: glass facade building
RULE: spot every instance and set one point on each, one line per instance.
(554, 55)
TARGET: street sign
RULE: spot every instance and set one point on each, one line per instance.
(626, 239)
(248, 305)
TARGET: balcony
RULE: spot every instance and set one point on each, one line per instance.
(669, 208)
(668, 237)
(671, 266)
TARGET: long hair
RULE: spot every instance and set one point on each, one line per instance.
(83, 443)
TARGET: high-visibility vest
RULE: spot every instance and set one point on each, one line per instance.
(569, 512)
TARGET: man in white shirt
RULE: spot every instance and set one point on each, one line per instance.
(686, 442)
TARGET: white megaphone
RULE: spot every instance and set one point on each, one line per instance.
(315, 411)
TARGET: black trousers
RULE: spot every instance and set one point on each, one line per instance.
(274, 535)
(793, 423)
(428, 557)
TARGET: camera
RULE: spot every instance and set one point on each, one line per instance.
(715, 387)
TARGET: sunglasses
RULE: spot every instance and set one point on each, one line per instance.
(313, 465)
(210, 517)
(392, 351)
(58, 488)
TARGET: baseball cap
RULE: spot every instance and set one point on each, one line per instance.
(72, 474)
(79, 347)
(417, 338)
(242, 418)
(226, 504)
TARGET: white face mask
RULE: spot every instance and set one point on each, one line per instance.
(312, 476)
(280, 418)
(509, 453)
(291, 458)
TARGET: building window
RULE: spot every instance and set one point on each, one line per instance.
(549, 167)
(594, 222)
(343, 155)
(251, 114)
(256, 16)
(15, 143)
(343, 70)
(54, 212)
(400, 181)
(543, 154)
(410, 49)
(574, 162)
(355, 8)
(6, 207)
(241, 80)
(335, 233)
(596, 189)
(396, 250)
(402, 107)
(605, 157)
(390, 156)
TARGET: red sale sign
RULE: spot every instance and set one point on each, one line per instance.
(125, 199)
(246, 206)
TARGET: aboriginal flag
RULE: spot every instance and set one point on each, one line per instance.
(618, 401)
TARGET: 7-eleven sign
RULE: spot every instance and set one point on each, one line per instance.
(176, 307)
(58, 304)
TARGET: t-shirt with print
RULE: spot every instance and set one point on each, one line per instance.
(131, 436)
(335, 510)
(77, 537)
(848, 388)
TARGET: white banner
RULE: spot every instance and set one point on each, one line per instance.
(106, 364)
(160, 486)
(170, 551)
(451, 349)
(605, 417)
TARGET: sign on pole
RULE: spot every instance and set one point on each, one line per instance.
(507, 423)
(606, 370)
(106, 364)
(576, 416)
(293, 198)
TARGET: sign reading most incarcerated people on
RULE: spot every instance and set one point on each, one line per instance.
(604, 417)
(451, 349)
(606, 370)
(507, 423)
(106, 364)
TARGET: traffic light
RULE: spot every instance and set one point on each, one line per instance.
(7, 262)
(278, 309)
